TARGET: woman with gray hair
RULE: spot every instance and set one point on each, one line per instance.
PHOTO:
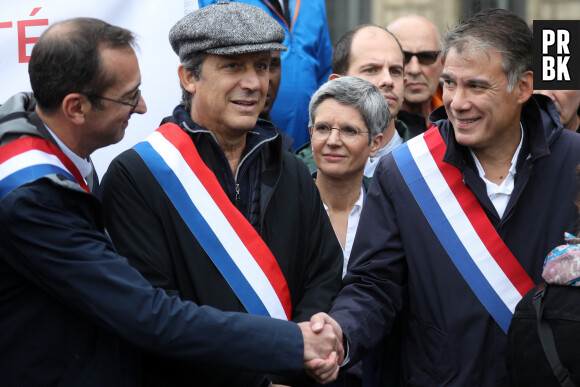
(347, 117)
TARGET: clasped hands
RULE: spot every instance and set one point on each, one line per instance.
(323, 349)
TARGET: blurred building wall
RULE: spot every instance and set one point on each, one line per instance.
(345, 14)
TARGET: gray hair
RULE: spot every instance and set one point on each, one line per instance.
(194, 64)
(358, 93)
(499, 30)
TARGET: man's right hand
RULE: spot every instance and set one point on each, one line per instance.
(323, 350)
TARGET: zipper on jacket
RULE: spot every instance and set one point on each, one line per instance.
(237, 198)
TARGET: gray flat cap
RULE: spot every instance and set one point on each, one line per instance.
(226, 28)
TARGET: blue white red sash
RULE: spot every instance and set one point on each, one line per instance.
(30, 158)
(462, 227)
(228, 238)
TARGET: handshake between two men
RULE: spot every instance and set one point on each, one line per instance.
(323, 348)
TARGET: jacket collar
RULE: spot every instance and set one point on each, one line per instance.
(403, 130)
(264, 130)
(18, 118)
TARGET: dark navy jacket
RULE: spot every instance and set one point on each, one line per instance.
(397, 261)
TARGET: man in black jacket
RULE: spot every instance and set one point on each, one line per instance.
(226, 217)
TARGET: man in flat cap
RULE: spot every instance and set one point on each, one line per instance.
(226, 217)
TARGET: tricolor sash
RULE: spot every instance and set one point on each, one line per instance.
(227, 237)
(461, 225)
(30, 158)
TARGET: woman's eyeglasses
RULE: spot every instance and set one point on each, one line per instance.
(348, 133)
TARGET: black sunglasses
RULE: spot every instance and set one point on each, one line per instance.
(424, 57)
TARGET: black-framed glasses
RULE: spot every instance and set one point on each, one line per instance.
(424, 57)
(133, 105)
(348, 133)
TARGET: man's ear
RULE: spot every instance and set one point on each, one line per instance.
(186, 78)
(333, 76)
(75, 107)
(525, 86)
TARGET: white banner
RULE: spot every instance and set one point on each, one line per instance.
(22, 22)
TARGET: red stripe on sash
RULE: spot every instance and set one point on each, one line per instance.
(28, 143)
(253, 242)
(487, 233)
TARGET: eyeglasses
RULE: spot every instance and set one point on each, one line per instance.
(133, 105)
(348, 133)
(424, 57)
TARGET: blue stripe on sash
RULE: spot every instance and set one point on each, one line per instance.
(201, 229)
(449, 239)
(28, 174)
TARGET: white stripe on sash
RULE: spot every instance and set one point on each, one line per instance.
(461, 224)
(28, 159)
(219, 225)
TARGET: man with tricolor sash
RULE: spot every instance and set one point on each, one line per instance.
(457, 221)
(73, 311)
(211, 207)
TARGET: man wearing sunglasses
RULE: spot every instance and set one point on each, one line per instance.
(421, 44)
